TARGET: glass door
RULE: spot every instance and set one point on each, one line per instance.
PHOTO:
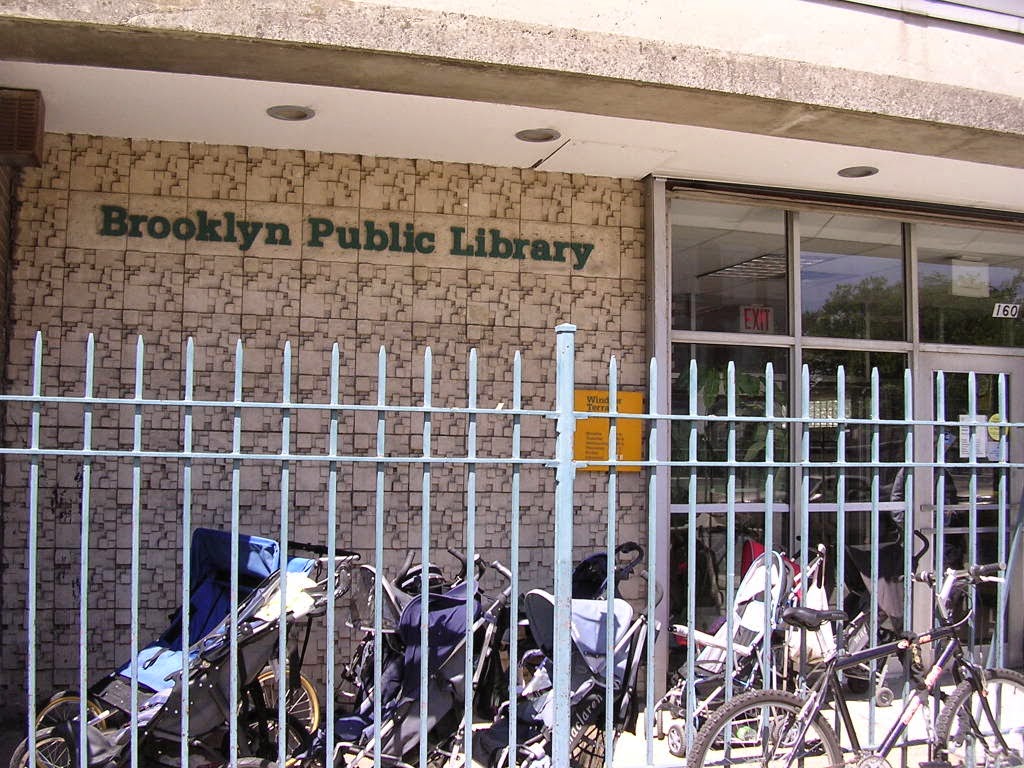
(969, 502)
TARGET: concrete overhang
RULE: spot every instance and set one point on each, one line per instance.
(395, 50)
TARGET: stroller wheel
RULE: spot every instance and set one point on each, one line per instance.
(63, 706)
(884, 696)
(51, 751)
(302, 702)
(676, 738)
(587, 749)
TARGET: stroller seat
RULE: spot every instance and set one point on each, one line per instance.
(753, 610)
(588, 629)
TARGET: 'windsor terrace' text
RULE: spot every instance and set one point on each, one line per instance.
(392, 236)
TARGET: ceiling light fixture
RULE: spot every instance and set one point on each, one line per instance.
(290, 113)
(538, 135)
(858, 171)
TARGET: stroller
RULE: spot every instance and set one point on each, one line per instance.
(399, 694)
(588, 677)
(209, 682)
(754, 609)
(889, 594)
(209, 603)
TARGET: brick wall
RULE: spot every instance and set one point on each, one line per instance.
(70, 279)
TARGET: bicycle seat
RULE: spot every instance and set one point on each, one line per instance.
(810, 618)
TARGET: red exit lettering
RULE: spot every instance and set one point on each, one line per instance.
(757, 319)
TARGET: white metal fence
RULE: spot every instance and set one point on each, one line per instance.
(329, 473)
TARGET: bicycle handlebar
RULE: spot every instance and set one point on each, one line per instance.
(973, 573)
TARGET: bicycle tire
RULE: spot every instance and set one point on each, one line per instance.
(962, 737)
(51, 751)
(730, 736)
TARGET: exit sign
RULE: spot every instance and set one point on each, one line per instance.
(757, 319)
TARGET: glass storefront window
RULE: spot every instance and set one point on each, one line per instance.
(712, 437)
(709, 569)
(971, 285)
(851, 277)
(729, 268)
(823, 366)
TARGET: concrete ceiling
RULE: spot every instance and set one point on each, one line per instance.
(220, 110)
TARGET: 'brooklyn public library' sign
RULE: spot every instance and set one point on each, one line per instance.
(392, 236)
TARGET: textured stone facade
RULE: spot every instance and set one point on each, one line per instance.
(70, 280)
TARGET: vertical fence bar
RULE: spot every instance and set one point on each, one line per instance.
(332, 529)
(996, 648)
(730, 524)
(471, 585)
(769, 519)
(841, 430)
(565, 471)
(652, 559)
(805, 497)
(282, 625)
(83, 579)
(907, 494)
(378, 554)
(136, 548)
(186, 540)
(939, 479)
(513, 641)
(874, 535)
(236, 481)
(428, 377)
(610, 541)
(972, 495)
(691, 555)
(33, 540)
(691, 550)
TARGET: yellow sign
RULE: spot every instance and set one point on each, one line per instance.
(994, 430)
(592, 432)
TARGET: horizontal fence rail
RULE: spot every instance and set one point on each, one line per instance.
(456, 622)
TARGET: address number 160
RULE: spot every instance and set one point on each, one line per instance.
(1006, 310)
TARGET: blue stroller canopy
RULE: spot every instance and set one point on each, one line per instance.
(210, 596)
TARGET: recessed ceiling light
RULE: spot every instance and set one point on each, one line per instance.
(538, 135)
(858, 171)
(290, 112)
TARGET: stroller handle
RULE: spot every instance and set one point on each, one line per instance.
(319, 549)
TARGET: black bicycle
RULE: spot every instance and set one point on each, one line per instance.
(980, 722)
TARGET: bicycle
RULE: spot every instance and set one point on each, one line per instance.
(980, 722)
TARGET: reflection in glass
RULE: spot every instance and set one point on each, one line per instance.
(710, 568)
(851, 277)
(965, 274)
(713, 436)
(729, 268)
(823, 366)
(971, 482)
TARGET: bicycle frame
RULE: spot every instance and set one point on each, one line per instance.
(924, 683)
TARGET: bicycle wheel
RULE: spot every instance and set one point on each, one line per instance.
(970, 737)
(301, 702)
(51, 751)
(761, 728)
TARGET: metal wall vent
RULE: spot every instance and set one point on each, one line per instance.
(21, 127)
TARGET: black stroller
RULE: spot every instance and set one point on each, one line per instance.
(588, 677)
(889, 595)
(209, 683)
(356, 735)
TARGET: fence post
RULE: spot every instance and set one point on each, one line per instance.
(565, 473)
